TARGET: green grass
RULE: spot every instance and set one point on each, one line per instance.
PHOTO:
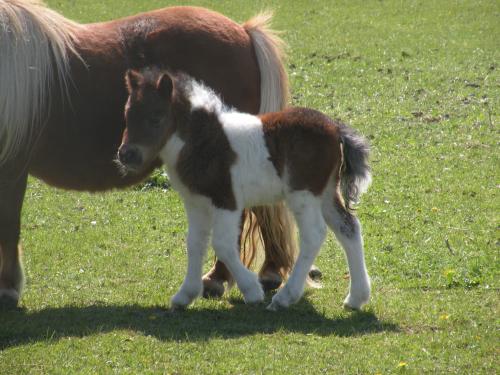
(420, 79)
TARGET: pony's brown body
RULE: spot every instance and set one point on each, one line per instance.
(75, 145)
(65, 153)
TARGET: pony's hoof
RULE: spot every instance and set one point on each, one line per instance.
(176, 308)
(355, 304)
(9, 299)
(315, 273)
(255, 296)
(348, 307)
(278, 302)
(213, 288)
(270, 281)
(273, 306)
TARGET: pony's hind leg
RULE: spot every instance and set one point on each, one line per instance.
(347, 229)
(213, 280)
(276, 228)
(312, 230)
(225, 242)
(11, 272)
(200, 222)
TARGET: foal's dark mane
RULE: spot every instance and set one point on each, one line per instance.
(192, 101)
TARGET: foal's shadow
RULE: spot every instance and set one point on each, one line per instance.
(194, 324)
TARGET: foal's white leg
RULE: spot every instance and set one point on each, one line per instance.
(312, 229)
(347, 229)
(200, 222)
(225, 243)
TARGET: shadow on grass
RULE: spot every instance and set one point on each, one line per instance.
(19, 326)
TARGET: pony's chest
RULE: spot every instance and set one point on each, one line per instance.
(169, 156)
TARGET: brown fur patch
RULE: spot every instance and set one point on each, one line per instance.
(79, 141)
(307, 140)
(205, 160)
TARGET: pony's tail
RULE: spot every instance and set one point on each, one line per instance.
(355, 173)
(34, 47)
(274, 226)
(269, 50)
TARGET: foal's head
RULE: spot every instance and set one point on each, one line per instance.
(148, 117)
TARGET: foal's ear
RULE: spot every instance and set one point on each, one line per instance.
(165, 86)
(132, 79)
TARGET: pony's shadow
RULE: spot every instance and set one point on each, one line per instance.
(194, 324)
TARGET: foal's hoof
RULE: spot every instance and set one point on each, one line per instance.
(176, 308)
(253, 296)
(315, 273)
(9, 299)
(270, 281)
(348, 307)
(273, 306)
(276, 305)
(213, 288)
(356, 303)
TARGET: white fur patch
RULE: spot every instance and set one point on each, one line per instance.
(254, 177)
(169, 155)
(201, 96)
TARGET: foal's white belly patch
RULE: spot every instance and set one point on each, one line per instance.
(254, 178)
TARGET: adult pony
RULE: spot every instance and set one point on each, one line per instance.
(61, 106)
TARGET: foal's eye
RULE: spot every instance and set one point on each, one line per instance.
(155, 120)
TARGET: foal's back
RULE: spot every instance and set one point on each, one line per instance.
(280, 152)
(305, 141)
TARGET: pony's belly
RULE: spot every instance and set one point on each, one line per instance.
(259, 188)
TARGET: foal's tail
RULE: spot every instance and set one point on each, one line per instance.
(269, 49)
(355, 174)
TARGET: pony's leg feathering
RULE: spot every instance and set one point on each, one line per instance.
(199, 220)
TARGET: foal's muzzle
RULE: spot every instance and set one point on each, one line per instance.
(129, 156)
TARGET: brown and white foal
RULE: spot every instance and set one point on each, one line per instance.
(222, 161)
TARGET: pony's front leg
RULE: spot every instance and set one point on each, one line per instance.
(225, 243)
(312, 230)
(200, 222)
(12, 190)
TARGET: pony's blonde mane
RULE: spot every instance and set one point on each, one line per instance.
(35, 43)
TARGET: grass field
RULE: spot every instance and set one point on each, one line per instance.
(421, 80)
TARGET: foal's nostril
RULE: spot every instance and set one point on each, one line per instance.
(129, 155)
